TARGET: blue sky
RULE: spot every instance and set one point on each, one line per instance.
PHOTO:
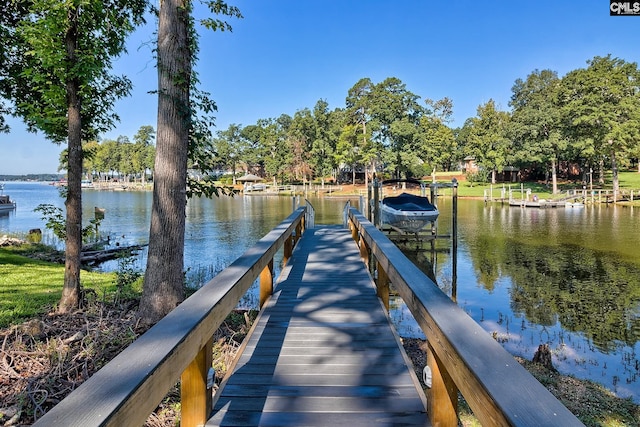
(285, 55)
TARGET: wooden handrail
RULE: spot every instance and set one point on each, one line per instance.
(462, 355)
(126, 390)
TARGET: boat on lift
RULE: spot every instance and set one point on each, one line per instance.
(6, 204)
(407, 213)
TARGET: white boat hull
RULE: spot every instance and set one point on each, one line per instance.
(407, 221)
(6, 204)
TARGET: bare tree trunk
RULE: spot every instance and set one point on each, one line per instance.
(614, 175)
(364, 147)
(163, 280)
(73, 244)
(554, 175)
(601, 171)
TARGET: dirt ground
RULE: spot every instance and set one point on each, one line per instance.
(44, 359)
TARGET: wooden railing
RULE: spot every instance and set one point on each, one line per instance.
(461, 355)
(178, 347)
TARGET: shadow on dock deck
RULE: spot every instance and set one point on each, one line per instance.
(323, 351)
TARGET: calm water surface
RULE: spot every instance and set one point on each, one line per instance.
(566, 277)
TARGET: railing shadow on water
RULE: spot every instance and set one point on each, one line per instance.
(179, 347)
(461, 356)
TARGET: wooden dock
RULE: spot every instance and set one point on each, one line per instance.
(323, 351)
(537, 203)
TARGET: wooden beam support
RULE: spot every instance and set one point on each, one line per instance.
(195, 395)
(298, 232)
(354, 230)
(288, 249)
(266, 283)
(364, 251)
(442, 397)
(382, 286)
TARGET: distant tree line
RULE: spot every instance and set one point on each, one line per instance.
(32, 177)
(587, 121)
(119, 158)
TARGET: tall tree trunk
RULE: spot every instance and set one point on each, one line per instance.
(73, 245)
(163, 280)
(601, 171)
(554, 175)
(364, 147)
(614, 174)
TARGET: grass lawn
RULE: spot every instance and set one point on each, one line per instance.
(628, 180)
(29, 287)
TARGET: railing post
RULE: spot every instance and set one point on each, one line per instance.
(382, 286)
(364, 251)
(369, 201)
(376, 203)
(298, 233)
(195, 392)
(442, 397)
(266, 283)
(287, 249)
(354, 231)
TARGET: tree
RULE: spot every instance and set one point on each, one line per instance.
(359, 109)
(396, 113)
(436, 143)
(322, 146)
(231, 147)
(536, 120)
(144, 150)
(176, 53)
(11, 14)
(162, 289)
(602, 103)
(299, 139)
(57, 78)
(90, 150)
(273, 142)
(347, 151)
(488, 140)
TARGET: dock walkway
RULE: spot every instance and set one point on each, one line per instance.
(322, 351)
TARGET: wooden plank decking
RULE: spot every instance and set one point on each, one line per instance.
(323, 351)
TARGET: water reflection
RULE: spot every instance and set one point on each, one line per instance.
(569, 278)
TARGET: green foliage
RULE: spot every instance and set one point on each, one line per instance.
(383, 126)
(127, 275)
(600, 105)
(481, 176)
(536, 124)
(54, 219)
(41, 66)
(55, 222)
(488, 141)
(219, 7)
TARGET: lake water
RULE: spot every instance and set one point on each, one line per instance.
(566, 277)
